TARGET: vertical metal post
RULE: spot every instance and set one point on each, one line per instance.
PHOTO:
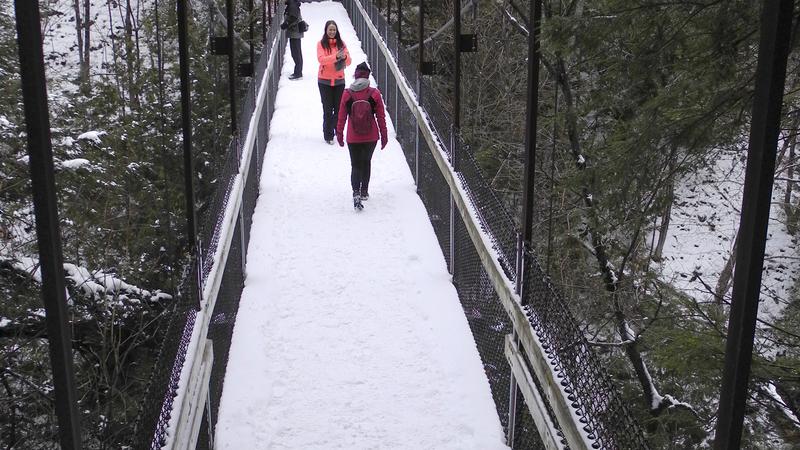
(776, 20)
(416, 156)
(399, 23)
(525, 234)
(420, 68)
(531, 116)
(263, 21)
(186, 123)
(386, 40)
(456, 79)
(512, 404)
(552, 176)
(252, 33)
(231, 64)
(452, 237)
(40, 152)
(243, 241)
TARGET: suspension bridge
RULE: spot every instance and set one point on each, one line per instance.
(422, 322)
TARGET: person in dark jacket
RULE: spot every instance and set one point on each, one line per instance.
(333, 57)
(294, 26)
(361, 144)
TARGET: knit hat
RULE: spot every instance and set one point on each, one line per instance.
(362, 71)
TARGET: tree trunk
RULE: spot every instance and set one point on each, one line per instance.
(612, 278)
(131, 59)
(789, 211)
(83, 73)
(663, 227)
(87, 41)
(115, 55)
(726, 275)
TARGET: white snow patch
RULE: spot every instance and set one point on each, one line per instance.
(93, 136)
(773, 392)
(74, 164)
(705, 220)
(28, 265)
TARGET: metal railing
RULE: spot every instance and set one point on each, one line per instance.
(569, 399)
(180, 406)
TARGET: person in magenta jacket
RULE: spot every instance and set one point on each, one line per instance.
(361, 145)
(333, 57)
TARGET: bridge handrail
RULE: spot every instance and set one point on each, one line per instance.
(579, 394)
(182, 393)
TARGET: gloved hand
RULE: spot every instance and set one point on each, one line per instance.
(340, 54)
(384, 141)
(341, 142)
(284, 26)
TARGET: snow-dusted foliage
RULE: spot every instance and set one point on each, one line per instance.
(114, 115)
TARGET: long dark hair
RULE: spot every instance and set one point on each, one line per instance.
(325, 44)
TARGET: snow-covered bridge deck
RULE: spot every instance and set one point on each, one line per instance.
(349, 334)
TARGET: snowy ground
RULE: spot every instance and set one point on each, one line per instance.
(350, 334)
(704, 223)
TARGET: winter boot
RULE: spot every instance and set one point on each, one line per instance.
(357, 205)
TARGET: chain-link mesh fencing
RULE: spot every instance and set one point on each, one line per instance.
(589, 391)
(158, 404)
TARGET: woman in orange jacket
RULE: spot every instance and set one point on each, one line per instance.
(333, 58)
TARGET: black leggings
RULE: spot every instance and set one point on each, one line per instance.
(297, 56)
(330, 96)
(361, 162)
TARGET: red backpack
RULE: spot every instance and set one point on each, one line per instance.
(361, 112)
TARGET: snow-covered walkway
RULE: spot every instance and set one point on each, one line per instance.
(349, 334)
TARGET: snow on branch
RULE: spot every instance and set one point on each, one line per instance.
(500, 4)
(93, 136)
(72, 164)
(94, 296)
(612, 344)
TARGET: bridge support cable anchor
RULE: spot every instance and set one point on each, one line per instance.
(48, 234)
(773, 52)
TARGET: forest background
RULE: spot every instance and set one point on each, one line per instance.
(644, 117)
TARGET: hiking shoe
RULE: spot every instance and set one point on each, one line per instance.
(364, 194)
(295, 77)
(329, 141)
(357, 202)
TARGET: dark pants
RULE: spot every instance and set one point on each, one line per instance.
(360, 162)
(330, 96)
(297, 56)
